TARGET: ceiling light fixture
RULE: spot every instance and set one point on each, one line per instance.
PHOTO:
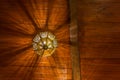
(44, 44)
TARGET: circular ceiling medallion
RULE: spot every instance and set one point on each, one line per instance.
(44, 43)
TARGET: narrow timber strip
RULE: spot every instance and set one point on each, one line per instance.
(75, 55)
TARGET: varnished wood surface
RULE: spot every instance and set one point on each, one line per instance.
(74, 47)
(99, 31)
(99, 22)
(20, 20)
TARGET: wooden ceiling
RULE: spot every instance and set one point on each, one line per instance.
(99, 40)
(20, 20)
(99, 22)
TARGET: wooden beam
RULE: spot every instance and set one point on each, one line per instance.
(74, 40)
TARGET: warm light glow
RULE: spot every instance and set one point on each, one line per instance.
(44, 43)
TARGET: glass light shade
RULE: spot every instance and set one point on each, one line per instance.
(44, 43)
